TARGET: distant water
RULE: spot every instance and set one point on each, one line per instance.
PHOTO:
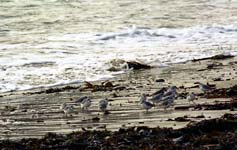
(53, 42)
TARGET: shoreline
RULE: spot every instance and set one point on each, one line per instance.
(113, 70)
(123, 94)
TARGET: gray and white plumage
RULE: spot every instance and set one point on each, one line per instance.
(168, 100)
(162, 90)
(62, 106)
(147, 105)
(157, 98)
(191, 97)
(170, 91)
(170, 97)
(67, 109)
(203, 87)
(143, 98)
(80, 99)
(103, 105)
(86, 103)
(167, 104)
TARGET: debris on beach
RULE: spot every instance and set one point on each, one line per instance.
(136, 65)
(160, 80)
(104, 86)
(217, 133)
(215, 57)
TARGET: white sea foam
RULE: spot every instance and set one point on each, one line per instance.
(72, 58)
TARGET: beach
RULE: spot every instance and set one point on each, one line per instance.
(33, 113)
(110, 74)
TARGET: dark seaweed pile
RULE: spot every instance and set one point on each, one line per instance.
(215, 134)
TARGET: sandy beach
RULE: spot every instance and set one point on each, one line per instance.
(32, 114)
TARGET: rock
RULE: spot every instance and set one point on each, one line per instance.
(108, 84)
(181, 119)
(136, 65)
(106, 112)
(119, 88)
(160, 80)
(217, 79)
(114, 69)
(95, 119)
(199, 116)
(213, 65)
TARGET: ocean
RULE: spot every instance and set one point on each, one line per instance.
(55, 42)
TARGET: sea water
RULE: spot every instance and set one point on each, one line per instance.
(54, 42)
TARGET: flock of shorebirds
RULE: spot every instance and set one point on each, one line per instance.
(164, 97)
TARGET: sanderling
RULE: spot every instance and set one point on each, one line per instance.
(158, 97)
(191, 97)
(80, 99)
(145, 104)
(170, 91)
(203, 87)
(103, 105)
(67, 109)
(62, 106)
(143, 98)
(168, 100)
(86, 103)
(162, 90)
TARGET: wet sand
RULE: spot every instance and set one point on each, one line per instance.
(32, 114)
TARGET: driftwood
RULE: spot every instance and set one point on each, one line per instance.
(216, 57)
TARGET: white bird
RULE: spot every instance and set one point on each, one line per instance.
(67, 109)
(191, 97)
(86, 103)
(62, 106)
(103, 105)
(158, 97)
(80, 99)
(203, 87)
(170, 91)
(168, 101)
(145, 104)
(143, 98)
(162, 90)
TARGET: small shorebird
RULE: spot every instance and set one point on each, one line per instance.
(158, 97)
(146, 105)
(143, 98)
(162, 90)
(191, 97)
(170, 91)
(103, 105)
(86, 103)
(168, 100)
(80, 99)
(67, 109)
(203, 87)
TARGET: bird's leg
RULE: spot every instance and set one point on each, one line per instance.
(165, 109)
